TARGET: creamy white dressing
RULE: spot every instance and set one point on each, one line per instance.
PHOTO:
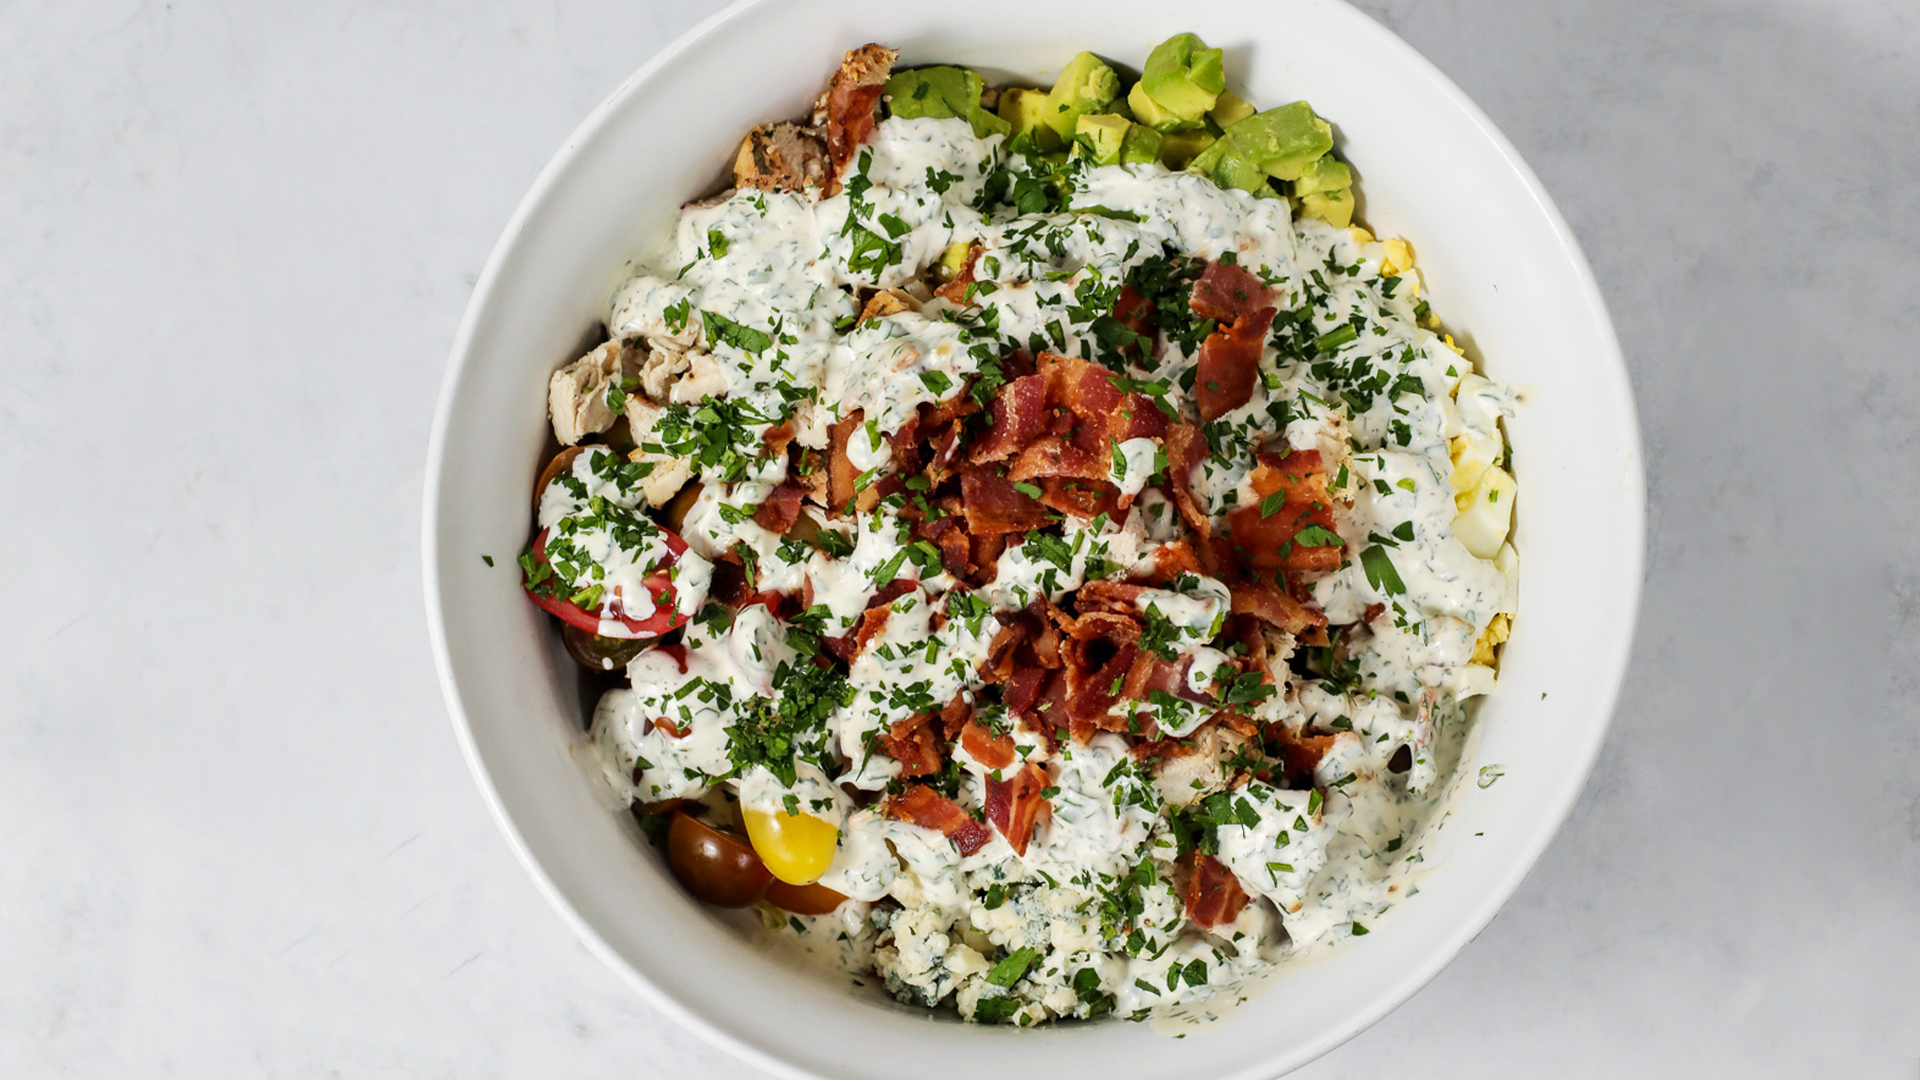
(753, 303)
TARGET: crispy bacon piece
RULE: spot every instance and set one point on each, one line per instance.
(1226, 291)
(847, 110)
(1112, 596)
(1056, 456)
(1090, 393)
(915, 743)
(1275, 607)
(986, 558)
(955, 291)
(1266, 535)
(872, 620)
(1170, 560)
(1214, 895)
(780, 509)
(840, 471)
(1134, 311)
(1029, 638)
(1186, 449)
(1229, 364)
(955, 715)
(1229, 360)
(1081, 498)
(1017, 410)
(1300, 753)
(1016, 803)
(993, 505)
(1038, 696)
(993, 751)
(1100, 653)
(921, 805)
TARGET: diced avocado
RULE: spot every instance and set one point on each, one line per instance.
(1182, 80)
(1178, 148)
(1086, 85)
(1230, 109)
(1281, 143)
(1099, 137)
(943, 92)
(1141, 146)
(1025, 111)
(1333, 207)
(1284, 141)
(1323, 174)
(1146, 111)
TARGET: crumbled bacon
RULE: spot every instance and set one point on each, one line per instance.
(1229, 360)
(1228, 364)
(921, 805)
(993, 505)
(1081, 498)
(780, 509)
(1300, 753)
(1275, 607)
(1266, 535)
(841, 474)
(1015, 804)
(1100, 653)
(1170, 560)
(1017, 410)
(847, 110)
(915, 743)
(1226, 291)
(1214, 895)
(995, 751)
(1186, 449)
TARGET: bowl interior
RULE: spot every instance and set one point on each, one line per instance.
(1502, 271)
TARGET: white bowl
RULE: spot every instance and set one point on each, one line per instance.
(1503, 271)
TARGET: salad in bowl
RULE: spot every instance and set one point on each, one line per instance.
(1033, 545)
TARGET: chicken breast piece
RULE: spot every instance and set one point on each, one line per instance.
(670, 473)
(781, 157)
(577, 393)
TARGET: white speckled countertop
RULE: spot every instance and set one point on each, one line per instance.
(238, 838)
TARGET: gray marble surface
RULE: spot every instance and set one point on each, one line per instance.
(236, 836)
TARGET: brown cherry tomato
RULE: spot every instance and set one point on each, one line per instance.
(561, 462)
(814, 899)
(601, 655)
(716, 867)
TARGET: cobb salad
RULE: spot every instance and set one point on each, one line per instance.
(1035, 546)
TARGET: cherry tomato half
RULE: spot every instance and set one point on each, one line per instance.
(714, 866)
(815, 899)
(561, 462)
(666, 615)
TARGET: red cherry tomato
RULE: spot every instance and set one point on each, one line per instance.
(716, 867)
(814, 899)
(612, 621)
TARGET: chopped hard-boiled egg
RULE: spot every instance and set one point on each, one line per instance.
(1486, 513)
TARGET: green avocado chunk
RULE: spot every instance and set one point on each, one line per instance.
(1333, 207)
(943, 92)
(1025, 111)
(1230, 109)
(1141, 145)
(1100, 137)
(1177, 148)
(1086, 85)
(1280, 143)
(1322, 175)
(1180, 83)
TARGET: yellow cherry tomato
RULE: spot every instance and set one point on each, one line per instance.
(797, 848)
